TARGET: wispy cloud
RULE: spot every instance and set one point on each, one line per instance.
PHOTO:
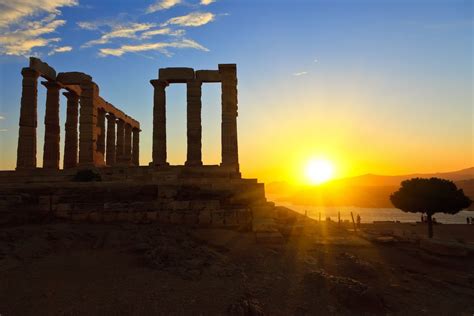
(207, 2)
(161, 47)
(192, 19)
(2, 117)
(61, 49)
(163, 31)
(3, 130)
(301, 73)
(24, 24)
(118, 31)
(162, 5)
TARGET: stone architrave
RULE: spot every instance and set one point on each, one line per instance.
(119, 153)
(71, 134)
(51, 126)
(230, 156)
(159, 122)
(26, 151)
(194, 127)
(127, 148)
(136, 147)
(110, 149)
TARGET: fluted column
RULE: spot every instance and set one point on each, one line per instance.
(194, 128)
(88, 154)
(159, 122)
(101, 133)
(230, 156)
(71, 135)
(127, 148)
(120, 140)
(111, 121)
(26, 151)
(136, 147)
(51, 126)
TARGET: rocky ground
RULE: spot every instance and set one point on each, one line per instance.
(60, 268)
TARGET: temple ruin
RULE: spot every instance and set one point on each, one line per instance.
(86, 148)
(101, 179)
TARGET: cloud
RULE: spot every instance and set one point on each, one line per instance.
(192, 19)
(90, 26)
(61, 49)
(163, 31)
(3, 130)
(302, 73)
(159, 46)
(23, 24)
(2, 117)
(162, 5)
(120, 31)
(207, 2)
(14, 11)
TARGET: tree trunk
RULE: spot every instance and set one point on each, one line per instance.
(430, 226)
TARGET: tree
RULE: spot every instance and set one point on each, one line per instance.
(430, 196)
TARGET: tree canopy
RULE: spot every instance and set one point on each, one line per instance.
(430, 196)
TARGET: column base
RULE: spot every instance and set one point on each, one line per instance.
(193, 163)
(162, 164)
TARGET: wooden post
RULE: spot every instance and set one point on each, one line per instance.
(353, 223)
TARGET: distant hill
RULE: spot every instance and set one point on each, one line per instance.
(380, 180)
(365, 191)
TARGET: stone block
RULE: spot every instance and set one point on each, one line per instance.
(73, 78)
(208, 75)
(110, 217)
(191, 218)
(152, 216)
(176, 217)
(205, 217)
(79, 217)
(176, 74)
(95, 217)
(43, 68)
(163, 216)
(179, 205)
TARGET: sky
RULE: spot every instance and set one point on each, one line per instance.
(381, 87)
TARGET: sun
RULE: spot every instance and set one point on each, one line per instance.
(319, 171)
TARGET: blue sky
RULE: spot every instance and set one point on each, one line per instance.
(376, 86)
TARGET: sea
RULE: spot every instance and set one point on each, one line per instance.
(369, 215)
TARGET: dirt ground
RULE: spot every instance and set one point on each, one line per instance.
(60, 268)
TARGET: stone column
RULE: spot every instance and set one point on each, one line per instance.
(88, 155)
(51, 126)
(194, 128)
(230, 156)
(136, 147)
(127, 148)
(120, 140)
(71, 135)
(26, 151)
(101, 133)
(111, 120)
(159, 122)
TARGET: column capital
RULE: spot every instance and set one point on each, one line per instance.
(51, 85)
(111, 116)
(71, 95)
(29, 72)
(159, 83)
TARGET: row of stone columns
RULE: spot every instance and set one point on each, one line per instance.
(90, 145)
(123, 141)
(230, 157)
